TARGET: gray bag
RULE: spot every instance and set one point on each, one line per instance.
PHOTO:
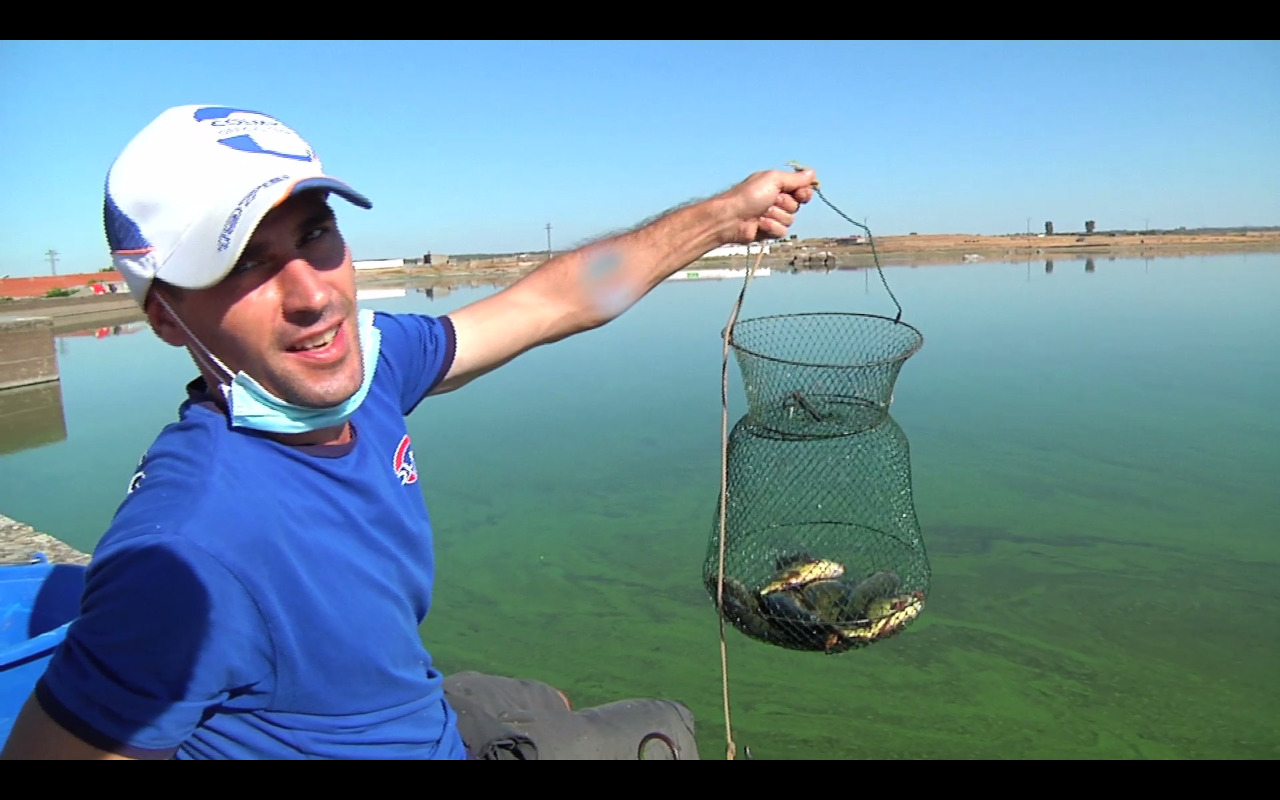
(506, 719)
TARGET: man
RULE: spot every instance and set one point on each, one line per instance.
(260, 590)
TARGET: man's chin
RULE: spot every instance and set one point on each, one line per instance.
(328, 398)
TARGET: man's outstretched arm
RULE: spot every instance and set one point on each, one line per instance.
(592, 285)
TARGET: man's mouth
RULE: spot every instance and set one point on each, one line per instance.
(316, 342)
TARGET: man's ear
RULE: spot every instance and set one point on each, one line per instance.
(162, 322)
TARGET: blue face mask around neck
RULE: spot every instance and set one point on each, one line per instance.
(252, 406)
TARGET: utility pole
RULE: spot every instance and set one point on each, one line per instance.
(52, 255)
(548, 241)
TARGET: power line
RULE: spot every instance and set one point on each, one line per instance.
(52, 255)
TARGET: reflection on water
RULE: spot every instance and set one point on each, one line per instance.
(62, 337)
(31, 417)
(103, 331)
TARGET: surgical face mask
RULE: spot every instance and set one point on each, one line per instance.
(252, 406)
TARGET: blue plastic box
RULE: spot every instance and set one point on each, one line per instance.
(38, 602)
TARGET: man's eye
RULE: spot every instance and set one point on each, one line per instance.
(245, 266)
(314, 233)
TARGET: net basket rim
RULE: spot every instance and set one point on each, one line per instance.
(896, 359)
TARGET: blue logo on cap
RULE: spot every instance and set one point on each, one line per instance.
(222, 112)
(244, 142)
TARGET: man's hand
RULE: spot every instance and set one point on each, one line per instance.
(764, 205)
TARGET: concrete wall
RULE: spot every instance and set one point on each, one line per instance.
(18, 542)
(27, 354)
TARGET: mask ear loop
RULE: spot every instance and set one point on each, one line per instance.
(201, 353)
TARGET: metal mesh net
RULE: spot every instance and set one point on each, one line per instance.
(822, 548)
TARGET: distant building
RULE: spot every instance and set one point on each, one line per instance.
(385, 263)
(736, 250)
(380, 294)
(716, 274)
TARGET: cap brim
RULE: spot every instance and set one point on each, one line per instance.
(332, 184)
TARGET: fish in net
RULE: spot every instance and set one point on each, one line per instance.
(823, 550)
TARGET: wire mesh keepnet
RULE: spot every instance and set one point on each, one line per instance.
(822, 550)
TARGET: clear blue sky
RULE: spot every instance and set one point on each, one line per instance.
(467, 147)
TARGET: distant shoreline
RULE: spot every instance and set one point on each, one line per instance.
(800, 256)
(909, 251)
(935, 248)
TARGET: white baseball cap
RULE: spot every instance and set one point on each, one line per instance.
(185, 195)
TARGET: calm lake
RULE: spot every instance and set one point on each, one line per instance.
(1094, 446)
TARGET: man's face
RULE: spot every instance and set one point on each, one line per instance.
(286, 314)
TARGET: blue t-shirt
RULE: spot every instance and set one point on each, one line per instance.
(257, 600)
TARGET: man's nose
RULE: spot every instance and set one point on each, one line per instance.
(302, 288)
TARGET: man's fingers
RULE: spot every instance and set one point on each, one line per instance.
(781, 217)
(794, 181)
(770, 229)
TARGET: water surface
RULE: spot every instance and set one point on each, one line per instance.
(1094, 455)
